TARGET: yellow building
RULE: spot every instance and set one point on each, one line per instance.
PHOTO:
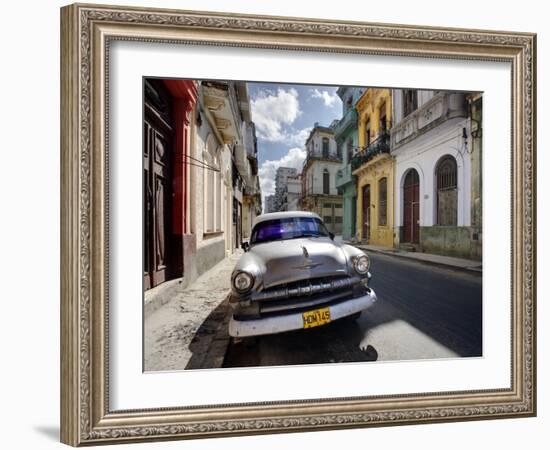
(374, 167)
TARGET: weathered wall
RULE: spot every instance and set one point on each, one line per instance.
(209, 254)
(381, 166)
(448, 241)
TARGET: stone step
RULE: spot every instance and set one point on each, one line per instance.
(408, 247)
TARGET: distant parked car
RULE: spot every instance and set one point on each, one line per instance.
(294, 275)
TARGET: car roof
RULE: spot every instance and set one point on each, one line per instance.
(284, 215)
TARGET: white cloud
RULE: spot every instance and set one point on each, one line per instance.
(329, 98)
(294, 158)
(271, 111)
(299, 137)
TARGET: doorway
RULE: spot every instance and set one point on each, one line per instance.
(411, 210)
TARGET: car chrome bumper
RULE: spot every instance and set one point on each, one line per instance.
(289, 322)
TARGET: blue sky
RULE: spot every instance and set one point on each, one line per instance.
(284, 115)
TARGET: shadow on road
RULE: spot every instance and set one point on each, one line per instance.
(336, 342)
(424, 312)
(210, 342)
(443, 304)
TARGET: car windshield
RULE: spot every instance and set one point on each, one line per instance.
(287, 228)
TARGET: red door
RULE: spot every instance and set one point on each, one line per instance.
(366, 212)
(411, 210)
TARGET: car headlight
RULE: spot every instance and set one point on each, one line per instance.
(361, 264)
(242, 282)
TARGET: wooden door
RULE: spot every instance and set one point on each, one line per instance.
(411, 210)
(157, 183)
(366, 212)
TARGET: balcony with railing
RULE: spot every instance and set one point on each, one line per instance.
(346, 123)
(331, 157)
(379, 146)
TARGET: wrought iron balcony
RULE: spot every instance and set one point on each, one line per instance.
(319, 157)
(346, 123)
(380, 145)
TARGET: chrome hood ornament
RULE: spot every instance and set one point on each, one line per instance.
(309, 264)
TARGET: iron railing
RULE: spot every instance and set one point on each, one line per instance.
(378, 146)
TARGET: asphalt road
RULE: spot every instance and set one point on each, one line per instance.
(423, 312)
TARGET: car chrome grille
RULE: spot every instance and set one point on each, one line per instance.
(307, 288)
(305, 294)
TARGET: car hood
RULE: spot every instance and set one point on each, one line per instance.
(297, 259)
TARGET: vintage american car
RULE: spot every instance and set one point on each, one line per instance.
(294, 275)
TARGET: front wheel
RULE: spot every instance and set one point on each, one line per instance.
(247, 342)
(354, 316)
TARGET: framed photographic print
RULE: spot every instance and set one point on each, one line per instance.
(284, 224)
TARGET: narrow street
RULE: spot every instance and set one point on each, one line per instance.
(423, 312)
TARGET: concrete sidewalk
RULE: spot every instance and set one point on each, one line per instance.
(189, 329)
(428, 258)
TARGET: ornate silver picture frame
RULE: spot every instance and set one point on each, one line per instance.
(87, 32)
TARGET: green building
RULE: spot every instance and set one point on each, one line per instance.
(345, 133)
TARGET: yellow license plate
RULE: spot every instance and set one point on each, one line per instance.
(316, 317)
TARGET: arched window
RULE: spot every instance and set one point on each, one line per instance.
(383, 201)
(411, 207)
(446, 176)
(326, 182)
(325, 147)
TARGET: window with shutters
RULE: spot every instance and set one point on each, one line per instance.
(350, 150)
(410, 101)
(383, 202)
(325, 147)
(446, 176)
(326, 182)
(213, 189)
(367, 134)
(383, 122)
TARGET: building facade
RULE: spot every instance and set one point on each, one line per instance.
(195, 194)
(319, 192)
(347, 139)
(374, 168)
(293, 193)
(433, 148)
(281, 190)
(475, 105)
(167, 123)
(270, 203)
(245, 157)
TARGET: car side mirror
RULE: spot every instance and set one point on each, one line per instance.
(245, 246)
(331, 235)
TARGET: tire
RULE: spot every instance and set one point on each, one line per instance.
(247, 342)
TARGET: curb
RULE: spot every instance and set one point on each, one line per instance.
(160, 295)
(473, 270)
